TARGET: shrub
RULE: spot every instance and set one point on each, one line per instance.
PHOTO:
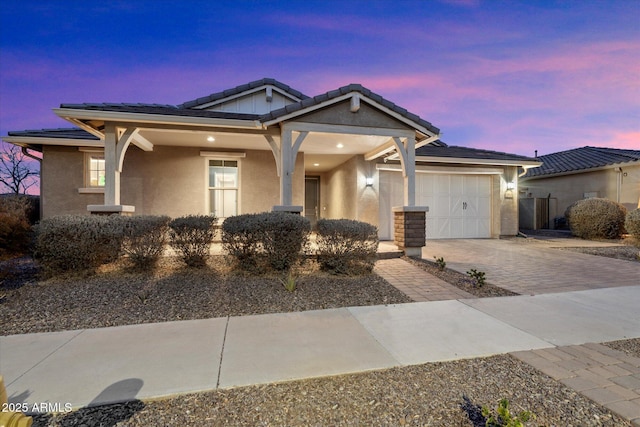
(76, 243)
(478, 277)
(275, 238)
(241, 239)
(596, 219)
(191, 237)
(502, 416)
(285, 235)
(14, 225)
(346, 246)
(632, 223)
(145, 237)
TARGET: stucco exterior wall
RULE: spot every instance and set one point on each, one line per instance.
(571, 188)
(339, 199)
(62, 174)
(166, 181)
(508, 202)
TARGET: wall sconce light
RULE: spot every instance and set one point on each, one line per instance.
(509, 193)
(369, 181)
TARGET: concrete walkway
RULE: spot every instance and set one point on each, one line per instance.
(568, 304)
(153, 360)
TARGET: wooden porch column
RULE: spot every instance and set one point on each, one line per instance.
(288, 151)
(409, 220)
(115, 147)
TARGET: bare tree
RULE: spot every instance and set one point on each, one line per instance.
(17, 172)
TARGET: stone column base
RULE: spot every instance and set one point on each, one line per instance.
(409, 224)
(124, 210)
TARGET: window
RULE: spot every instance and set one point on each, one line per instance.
(94, 169)
(223, 188)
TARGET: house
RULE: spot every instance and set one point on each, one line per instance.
(581, 173)
(347, 153)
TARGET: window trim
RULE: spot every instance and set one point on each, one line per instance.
(86, 172)
(208, 189)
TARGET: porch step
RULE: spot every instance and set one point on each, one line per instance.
(390, 254)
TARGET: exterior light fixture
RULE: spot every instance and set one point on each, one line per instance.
(316, 164)
(509, 193)
(340, 145)
(210, 138)
(369, 181)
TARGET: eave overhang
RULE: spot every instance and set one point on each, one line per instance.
(469, 161)
(86, 119)
(579, 171)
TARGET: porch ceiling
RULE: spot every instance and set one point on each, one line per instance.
(319, 148)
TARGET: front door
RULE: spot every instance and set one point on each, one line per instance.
(312, 198)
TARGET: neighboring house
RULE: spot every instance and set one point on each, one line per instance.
(348, 153)
(582, 173)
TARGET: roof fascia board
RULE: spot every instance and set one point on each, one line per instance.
(353, 130)
(579, 171)
(116, 116)
(70, 142)
(245, 93)
(467, 161)
(441, 169)
(346, 96)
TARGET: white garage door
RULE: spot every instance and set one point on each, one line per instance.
(459, 205)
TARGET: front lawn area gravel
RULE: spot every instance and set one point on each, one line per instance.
(433, 394)
(115, 296)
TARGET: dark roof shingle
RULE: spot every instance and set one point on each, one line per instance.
(440, 149)
(242, 88)
(66, 133)
(168, 110)
(583, 158)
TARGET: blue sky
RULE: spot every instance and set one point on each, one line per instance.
(506, 76)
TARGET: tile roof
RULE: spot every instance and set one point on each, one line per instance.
(309, 102)
(169, 110)
(441, 149)
(68, 133)
(583, 158)
(242, 88)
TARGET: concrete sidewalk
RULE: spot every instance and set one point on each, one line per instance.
(153, 360)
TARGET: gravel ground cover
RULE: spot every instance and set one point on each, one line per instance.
(116, 297)
(434, 394)
(627, 253)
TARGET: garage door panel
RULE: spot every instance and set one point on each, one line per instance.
(459, 205)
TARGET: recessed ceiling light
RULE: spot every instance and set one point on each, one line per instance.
(316, 164)
(340, 145)
(210, 139)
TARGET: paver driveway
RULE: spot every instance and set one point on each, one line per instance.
(531, 267)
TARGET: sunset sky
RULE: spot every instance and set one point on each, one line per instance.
(500, 75)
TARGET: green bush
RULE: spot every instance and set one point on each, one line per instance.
(632, 223)
(270, 239)
(285, 235)
(241, 239)
(145, 237)
(191, 237)
(346, 246)
(596, 219)
(76, 243)
(14, 225)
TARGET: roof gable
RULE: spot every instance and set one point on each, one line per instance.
(582, 159)
(258, 97)
(320, 101)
